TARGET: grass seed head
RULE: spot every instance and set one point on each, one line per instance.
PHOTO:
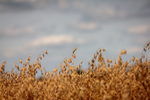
(120, 81)
(40, 57)
(104, 50)
(43, 55)
(46, 52)
(123, 52)
(20, 61)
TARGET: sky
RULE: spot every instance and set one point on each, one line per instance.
(30, 27)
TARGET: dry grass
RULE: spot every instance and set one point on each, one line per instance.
(106, 80)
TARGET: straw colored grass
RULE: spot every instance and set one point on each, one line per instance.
(104, 79)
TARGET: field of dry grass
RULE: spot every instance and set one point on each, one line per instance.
(104, 79)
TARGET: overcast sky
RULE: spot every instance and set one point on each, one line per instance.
(34, 26)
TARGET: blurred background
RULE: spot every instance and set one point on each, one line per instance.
(30, 27)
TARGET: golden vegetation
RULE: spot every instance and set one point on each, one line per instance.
(103, 80)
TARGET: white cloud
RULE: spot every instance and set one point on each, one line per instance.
(11, 52)
(141, 40)
(52, 39)
(55, 40)
(63, 4)
(85, 26)
(134, 50)
(99, 11)
(13, 31)
(80, 41)
(22, 1)
(46, 40)
(139, 29)
(106, 11)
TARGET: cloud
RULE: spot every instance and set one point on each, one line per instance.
(50, 40)
(11, 52)
(139, 29)
(17, 31)
(24, 0)
(63, 4)
(141, 40)
(85, 26)
(80, 41)
(17, 5)
(134, 50)
(55, 40)
(105, 11)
